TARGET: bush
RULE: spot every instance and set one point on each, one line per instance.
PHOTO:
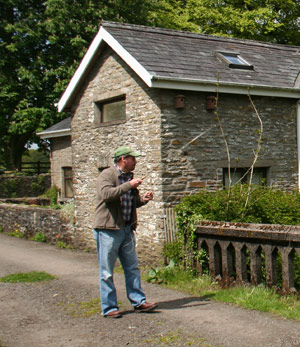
(174, 251)
(67, 210)
(9, 187)
(39, 186)
(265, 205)
(39, 237)
(52, 193)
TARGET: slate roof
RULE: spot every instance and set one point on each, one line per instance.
(183, 60)
(62, 128)
(184, 55)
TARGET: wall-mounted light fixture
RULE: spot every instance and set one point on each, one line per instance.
(211, 102)
(179, 101)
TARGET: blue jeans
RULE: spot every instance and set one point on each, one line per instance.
(112, 244)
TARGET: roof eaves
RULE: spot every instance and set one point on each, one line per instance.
(223, 87)
(102, 35)
(79, 73)
(56, 133)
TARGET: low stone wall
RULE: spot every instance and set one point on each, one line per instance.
(15, 186)
(29, 220)
(27, 201)
(56, 226)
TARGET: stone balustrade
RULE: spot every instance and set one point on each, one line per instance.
(252, 253)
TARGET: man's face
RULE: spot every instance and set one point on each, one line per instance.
(128, 163)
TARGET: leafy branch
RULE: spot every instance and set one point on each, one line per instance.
(226, 144)
(256, 153)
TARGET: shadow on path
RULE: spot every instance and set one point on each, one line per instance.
(185, 302)
(177, 304)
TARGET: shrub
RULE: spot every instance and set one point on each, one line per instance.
(39, 186)
(266, 205)
(39, 237)
(52, 193)
(9, 187)
(67, 210)
(174, 251)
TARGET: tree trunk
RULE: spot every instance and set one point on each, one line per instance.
(14, 152)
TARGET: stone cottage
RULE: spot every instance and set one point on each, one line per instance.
(170, 94)
(59, 136)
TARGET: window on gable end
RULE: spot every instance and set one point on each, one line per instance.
(112, 111)
(234, 60)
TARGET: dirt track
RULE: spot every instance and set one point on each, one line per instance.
(49, 314)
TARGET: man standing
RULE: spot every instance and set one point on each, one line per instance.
(114, 223)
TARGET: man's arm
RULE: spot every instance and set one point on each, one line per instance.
(108, 187)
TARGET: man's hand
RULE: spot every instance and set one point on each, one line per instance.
(135, 182)
(148, 196)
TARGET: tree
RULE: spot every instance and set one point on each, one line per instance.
(18, 53)
(41, 45)
(34, 155)
(265, 20)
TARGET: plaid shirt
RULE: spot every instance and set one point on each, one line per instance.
(126, 199)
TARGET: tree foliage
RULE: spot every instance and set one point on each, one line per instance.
(42, 43)
(34, 155)
(265, 20)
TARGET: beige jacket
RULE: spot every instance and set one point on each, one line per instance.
(108, 212)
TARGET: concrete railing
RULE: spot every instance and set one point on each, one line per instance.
(249, 252)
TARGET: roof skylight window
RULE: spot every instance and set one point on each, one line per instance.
(234, 61)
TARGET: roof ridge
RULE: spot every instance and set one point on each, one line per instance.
(166, 31)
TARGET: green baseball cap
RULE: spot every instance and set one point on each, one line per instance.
(125, 150)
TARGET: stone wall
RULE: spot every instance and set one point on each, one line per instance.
(29, 220)
(93, 146)
(23, 186)
(55, 224)
(193, 165)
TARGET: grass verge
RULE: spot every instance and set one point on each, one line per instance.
(250, 297)
(261, 299)
(28, 277)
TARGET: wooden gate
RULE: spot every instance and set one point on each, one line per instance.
(170, 226)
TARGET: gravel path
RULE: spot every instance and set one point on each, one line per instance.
(54, 313)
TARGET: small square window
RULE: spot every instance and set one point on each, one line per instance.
(110, 111)
(234, 61)
(241, 175)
